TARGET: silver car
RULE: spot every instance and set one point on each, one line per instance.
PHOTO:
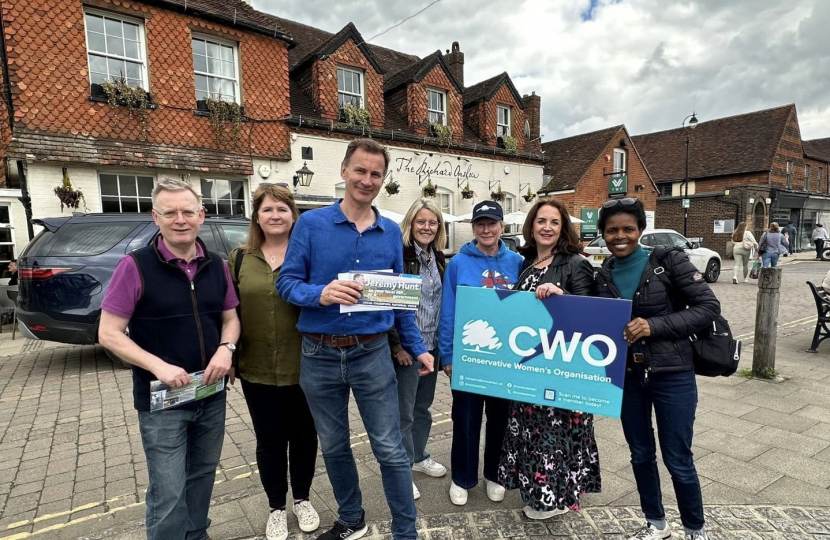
(708, 262)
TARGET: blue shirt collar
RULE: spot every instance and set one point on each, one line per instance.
(340, 217)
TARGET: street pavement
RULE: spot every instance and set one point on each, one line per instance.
(71, 463)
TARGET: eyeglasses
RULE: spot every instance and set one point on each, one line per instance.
(628, 201)
(172, 214)
(423, 223)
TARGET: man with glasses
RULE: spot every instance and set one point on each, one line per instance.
(179, 303)
(345, 352)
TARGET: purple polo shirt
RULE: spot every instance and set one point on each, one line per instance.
(125, 286)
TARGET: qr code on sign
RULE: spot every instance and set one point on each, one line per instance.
(550, 395)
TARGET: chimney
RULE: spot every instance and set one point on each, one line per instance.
(455, 61)
(533, 114)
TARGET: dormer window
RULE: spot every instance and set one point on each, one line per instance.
(503, 121)
(437, 106)
(349, 87)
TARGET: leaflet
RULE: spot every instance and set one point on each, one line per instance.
(163, 397)
(383, 291)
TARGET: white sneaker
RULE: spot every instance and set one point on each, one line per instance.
(650, 532)
(746, 280)
(415, 493)
(494, 491)
(734, 280)
(537, 514)
(277, 526)
(458, 495)
(430, 467)
(307, 516)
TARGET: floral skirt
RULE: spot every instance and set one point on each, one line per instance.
(550, 455)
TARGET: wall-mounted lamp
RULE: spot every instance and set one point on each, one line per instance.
(768, 200)
(303, 176)
(639, 187)
(726, 192)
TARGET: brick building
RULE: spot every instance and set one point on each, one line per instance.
(586, 170)
(233, 97)
(751, 167)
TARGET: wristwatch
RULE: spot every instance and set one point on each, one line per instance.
(230, 346)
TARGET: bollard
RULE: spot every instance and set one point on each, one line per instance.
(766, 322)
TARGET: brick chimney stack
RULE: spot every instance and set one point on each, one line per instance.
(533, 113)
(455, 61)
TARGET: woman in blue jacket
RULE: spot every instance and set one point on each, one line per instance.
(484, 262)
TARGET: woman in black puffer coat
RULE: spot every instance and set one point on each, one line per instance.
(659, 369)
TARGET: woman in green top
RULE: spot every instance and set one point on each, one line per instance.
(269, 363)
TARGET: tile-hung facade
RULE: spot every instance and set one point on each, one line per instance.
(751, 167)
(59, 55)
(586, 170)
(285, 89)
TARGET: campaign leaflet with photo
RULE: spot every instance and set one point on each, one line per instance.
(163, 397)
(565, 351)
(384, 291)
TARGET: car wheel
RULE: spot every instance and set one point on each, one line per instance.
(116, 360)
(712, 271)
(825, 254)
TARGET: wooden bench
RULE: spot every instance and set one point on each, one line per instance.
(823, 311)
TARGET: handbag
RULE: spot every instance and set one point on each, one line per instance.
(756, 269)
(762, 245)
(748, 244)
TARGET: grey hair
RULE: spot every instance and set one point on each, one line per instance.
(174, 184)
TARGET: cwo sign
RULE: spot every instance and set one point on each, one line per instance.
(566, 351)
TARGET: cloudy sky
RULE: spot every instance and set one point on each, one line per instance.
(597, 63)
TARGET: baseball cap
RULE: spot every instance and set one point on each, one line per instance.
(488, 209)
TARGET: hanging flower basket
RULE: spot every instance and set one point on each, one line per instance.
(529, 196)
(392, 188)
(67, 195)
(429, 190)
(467, 193)
(497, 196)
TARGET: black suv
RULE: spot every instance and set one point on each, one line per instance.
(65, 270)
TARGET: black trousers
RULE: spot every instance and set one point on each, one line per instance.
(285, 439)
(819, 247)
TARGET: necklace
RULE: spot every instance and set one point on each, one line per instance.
(273, 258)
(543, 259)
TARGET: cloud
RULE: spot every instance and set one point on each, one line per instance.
(598, 63)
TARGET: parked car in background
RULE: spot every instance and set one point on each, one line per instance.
(513, 241)
(65, 270)
(708, 262)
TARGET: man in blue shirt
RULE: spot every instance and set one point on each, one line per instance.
(343, 351)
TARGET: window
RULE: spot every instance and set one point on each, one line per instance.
(806, 178)
(503, 121)
(6, 237)
(349, 87)
(820, 178)
(126, 193)
(509, 206)
(223, 197)
(115, 49)
(789, 175)
(78, 239)
(237, 235)
(437, 106)
(619, 160)
(665, 189)
(445, 203)
(216, 70)
(678, 241)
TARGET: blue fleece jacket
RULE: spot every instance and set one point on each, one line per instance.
(472, 268)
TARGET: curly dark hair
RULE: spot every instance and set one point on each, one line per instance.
(568, 239)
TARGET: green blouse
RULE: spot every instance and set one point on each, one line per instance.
(270, 345)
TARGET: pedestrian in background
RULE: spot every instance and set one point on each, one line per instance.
(423, 237)
(660, 377)
(743, 243)
(269, 363)
(550, 454)
(790, 232)
(483, 262)
(772, 245)
(819, 236)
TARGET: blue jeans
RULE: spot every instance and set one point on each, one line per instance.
(182, 448)
(673, 397)
(467, 412)
(770, 259)
(326, 376)
(415, 395)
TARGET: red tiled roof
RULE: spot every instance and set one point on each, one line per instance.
(567, 160)
(817, 149)
(334, 42)
(487, 89)
(737, 144)
(417, 71)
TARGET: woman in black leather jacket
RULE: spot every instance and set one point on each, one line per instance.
(550, 454)
(660, 373)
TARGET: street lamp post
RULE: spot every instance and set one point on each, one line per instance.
(687, 128)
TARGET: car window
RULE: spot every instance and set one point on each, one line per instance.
(237, 234)
(597, 242)
(78, 239)
(647, 240)
(661, 239)
(207, 236)
(677, 240)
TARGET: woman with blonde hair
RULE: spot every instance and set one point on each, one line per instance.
(743, 244)
(424, 237)
(269, 363)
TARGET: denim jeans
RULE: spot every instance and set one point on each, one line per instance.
(673, 398)
(326, 376)
(467, 411)
(415, 395)
(182, 448)
(770, 259)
